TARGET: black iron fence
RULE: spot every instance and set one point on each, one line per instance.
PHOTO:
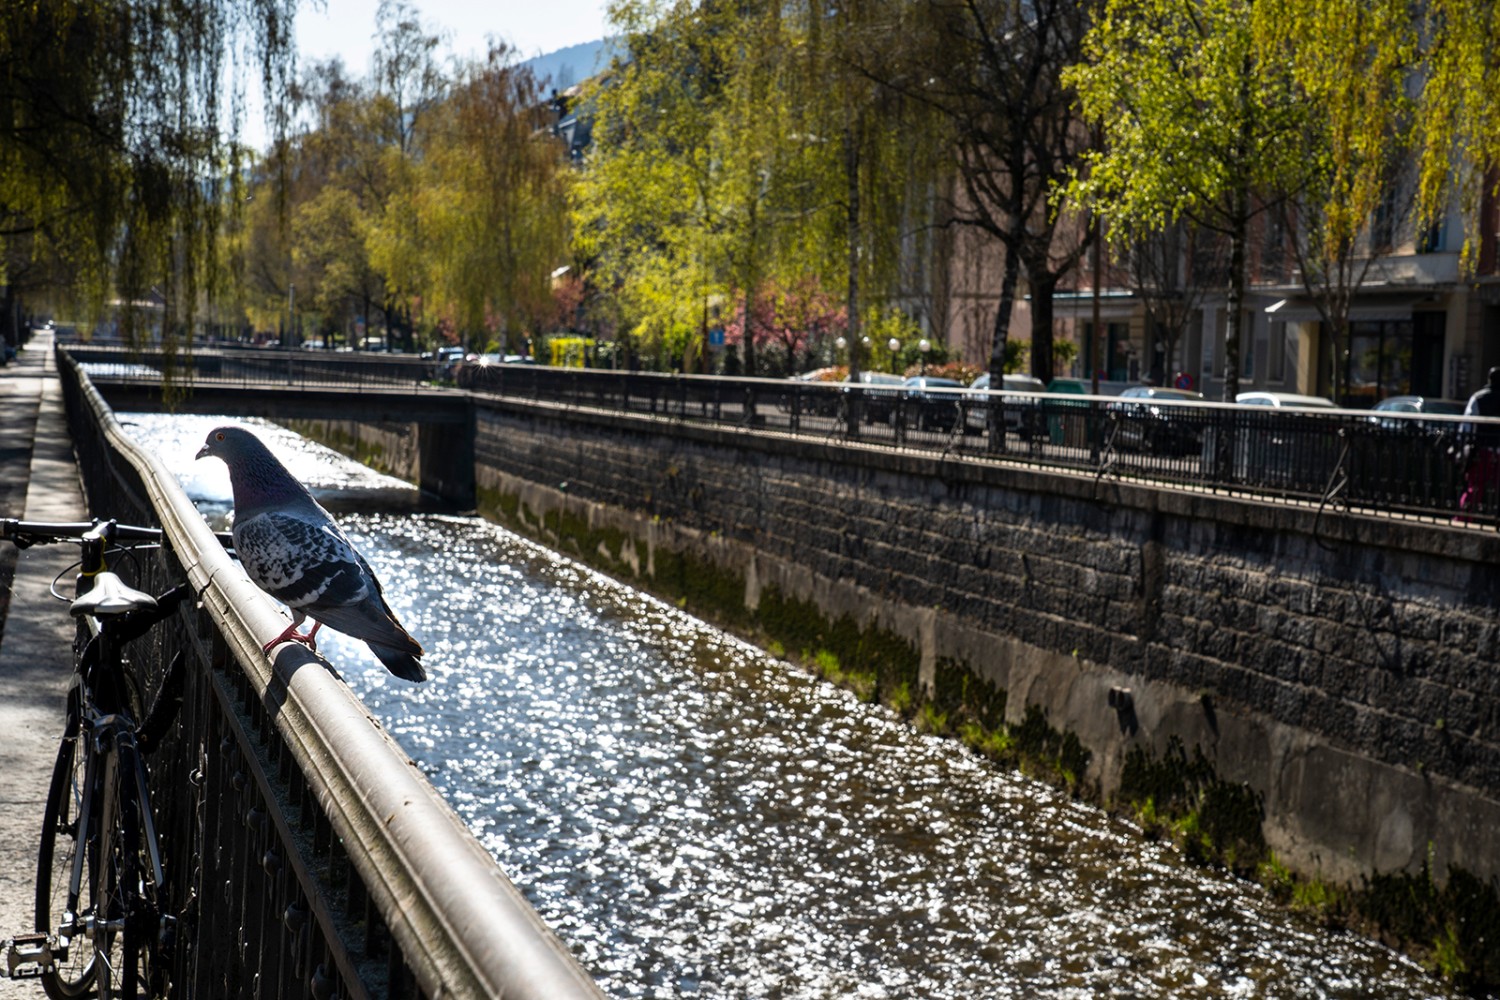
(305, 855)
(1386, 463)
(1396, 464)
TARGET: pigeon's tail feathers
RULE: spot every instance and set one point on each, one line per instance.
(371, 620)
(401, 663)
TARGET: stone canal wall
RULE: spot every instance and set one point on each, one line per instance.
(1343, 668)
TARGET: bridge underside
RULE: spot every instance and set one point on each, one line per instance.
(365, 404)
(444, 420)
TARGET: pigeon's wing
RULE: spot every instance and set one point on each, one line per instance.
(309, 565)
(305, 563)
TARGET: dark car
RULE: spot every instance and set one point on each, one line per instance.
(880, 391)
(1153, 418)
(1417, 404)
(1022, 414)
(929, 403)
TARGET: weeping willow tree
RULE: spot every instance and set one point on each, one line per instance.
(1458, 112)
(880, 136)
(494, 220)
(117, 151)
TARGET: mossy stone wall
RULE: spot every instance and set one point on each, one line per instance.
(1339, 673)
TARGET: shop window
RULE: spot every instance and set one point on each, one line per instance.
(1380, 356)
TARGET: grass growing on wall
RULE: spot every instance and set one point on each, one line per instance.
(1456, 924)
(1183, 799)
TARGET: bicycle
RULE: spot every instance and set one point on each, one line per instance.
(102, 922)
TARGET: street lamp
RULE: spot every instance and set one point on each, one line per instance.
(895, 345)
(924, 345)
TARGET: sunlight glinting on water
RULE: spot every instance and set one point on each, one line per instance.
(696, 818)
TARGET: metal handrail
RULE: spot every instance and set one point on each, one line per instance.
(461, 927)
(1392, 464)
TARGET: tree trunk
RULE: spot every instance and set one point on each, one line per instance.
(1235, 319)
(1009, 278)
(851, 177)
(748, 334)
(995, 415)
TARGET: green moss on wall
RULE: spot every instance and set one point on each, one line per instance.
(701, 587)
(958, 691)
(887, 663)
(503, 508)
(1455, 926)
(1211, 819)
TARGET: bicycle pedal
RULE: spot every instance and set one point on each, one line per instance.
(28, 956)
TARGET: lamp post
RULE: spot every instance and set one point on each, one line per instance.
(895, 346)
(924, 345)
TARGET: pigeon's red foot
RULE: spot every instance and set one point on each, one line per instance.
(292, 635)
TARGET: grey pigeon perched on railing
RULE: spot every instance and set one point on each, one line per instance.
(292, 549)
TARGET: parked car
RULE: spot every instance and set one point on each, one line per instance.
(1022, 415)
(823, 396)
(925, 409)
(1284, 400)
(1417, 404)
(445, 361)
(1293, 450)
(1149, 419)
(879, 397)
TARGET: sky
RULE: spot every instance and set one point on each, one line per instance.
(533, 27)
(346, 28)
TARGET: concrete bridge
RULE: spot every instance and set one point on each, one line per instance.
(294, 385)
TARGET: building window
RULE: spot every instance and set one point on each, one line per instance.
(1379, 361)
(1431, 239)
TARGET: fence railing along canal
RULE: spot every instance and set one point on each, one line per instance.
(306, 855)
(1390, 464)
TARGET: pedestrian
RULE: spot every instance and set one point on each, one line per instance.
(1482, 468)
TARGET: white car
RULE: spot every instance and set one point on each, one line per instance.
(1289, 400)
(976, 417)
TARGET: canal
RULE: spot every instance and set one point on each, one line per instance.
(697, 818)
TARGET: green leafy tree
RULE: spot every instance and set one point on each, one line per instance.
(407, 86)
(1196, 123)
(1350, 68)
(642, 204)
(494, 199)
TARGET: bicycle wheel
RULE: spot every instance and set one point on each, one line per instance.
(56, 907)
(127, 920)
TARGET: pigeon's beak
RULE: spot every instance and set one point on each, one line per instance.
(202, 453)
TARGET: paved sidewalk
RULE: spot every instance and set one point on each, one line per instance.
(38, 481)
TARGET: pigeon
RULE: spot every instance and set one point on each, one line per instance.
(292, 549)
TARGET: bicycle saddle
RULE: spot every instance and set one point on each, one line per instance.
(110, 596)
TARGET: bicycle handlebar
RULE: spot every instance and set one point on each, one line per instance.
(26, 533)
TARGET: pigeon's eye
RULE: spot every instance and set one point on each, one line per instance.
(218, 437)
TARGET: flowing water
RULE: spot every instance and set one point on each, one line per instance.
(696, 818)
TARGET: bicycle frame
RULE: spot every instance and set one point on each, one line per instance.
(115, 882)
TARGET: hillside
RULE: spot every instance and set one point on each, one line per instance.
(562, 69)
